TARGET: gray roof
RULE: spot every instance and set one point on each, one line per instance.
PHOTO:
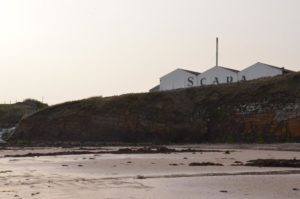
(154, 89)
(189, 71)
(233, 70)
(230, 69)
(281, 68)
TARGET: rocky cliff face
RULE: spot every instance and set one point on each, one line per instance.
(265, 110)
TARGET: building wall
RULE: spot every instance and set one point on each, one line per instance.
(180, 78)
(258, 70)
(217, 75)
(177, 79)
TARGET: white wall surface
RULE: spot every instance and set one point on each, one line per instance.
(178, 79)
(209, 76)
(259, 70)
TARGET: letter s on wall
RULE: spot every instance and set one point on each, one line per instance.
(190, 81)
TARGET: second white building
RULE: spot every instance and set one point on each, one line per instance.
(217, 75)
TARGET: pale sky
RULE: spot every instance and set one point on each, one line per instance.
(65, 50)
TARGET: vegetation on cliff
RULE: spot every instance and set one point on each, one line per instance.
(11, 114)
(263, 110)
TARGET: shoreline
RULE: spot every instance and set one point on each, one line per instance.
(147, 175)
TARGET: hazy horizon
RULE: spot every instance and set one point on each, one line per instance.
(62, 50)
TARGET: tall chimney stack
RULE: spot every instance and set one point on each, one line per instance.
(217, 51)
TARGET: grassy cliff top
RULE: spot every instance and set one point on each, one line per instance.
(285, 88)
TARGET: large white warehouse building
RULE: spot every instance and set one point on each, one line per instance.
(181, 78)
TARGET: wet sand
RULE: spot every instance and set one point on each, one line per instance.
(168, 175)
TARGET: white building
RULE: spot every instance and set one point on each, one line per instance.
(178, 78)
(181, 78)
(260, 70)
(217, 75)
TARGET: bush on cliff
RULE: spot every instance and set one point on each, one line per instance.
(11, 114)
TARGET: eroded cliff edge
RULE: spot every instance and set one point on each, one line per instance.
(264, 110)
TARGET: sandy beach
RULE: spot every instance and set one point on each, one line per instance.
(102, 174)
